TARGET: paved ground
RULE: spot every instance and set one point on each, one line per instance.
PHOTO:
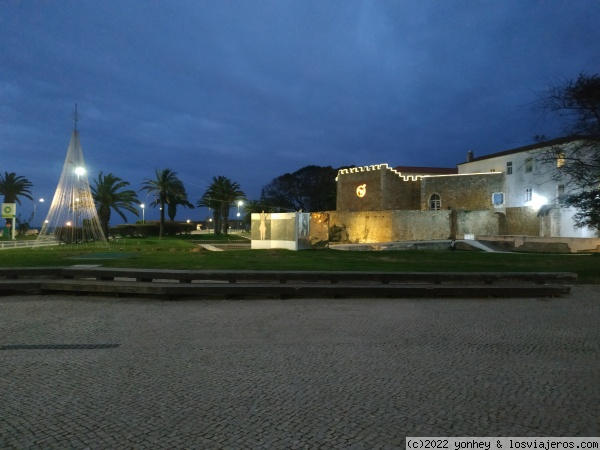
(343, 374)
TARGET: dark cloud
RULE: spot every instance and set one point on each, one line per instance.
(252, 90)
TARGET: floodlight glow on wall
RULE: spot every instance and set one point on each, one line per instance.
(537, 201)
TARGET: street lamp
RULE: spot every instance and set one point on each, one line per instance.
(239, 203)
(143, 209)
(41, 200)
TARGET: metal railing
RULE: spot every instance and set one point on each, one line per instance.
(6, 245)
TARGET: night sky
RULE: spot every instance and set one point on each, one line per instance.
(253, 89)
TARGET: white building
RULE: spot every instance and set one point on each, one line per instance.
(531, 181)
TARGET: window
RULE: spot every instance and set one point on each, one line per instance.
(509, 168)
(560, 159)
(435, 202)
(528, 194)
(498, 198)
(528, 164)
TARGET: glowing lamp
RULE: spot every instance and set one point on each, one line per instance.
(537, 201)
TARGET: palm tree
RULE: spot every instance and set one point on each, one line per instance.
(174, 200)
(14, 186)
(215, 205)
(107, 195)
(222, 192)
(166, 188)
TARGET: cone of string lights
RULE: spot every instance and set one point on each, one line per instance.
(72, 218)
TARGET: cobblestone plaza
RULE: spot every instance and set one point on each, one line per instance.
(108, 373)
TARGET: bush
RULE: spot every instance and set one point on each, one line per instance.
(152, 229)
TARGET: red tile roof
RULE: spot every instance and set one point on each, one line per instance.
(427, 170)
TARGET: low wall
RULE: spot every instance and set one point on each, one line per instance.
(522, 221)
(422, 225)
(476, 222)
(319, 230)
(544, 244)
(360, 226)
(408, 225)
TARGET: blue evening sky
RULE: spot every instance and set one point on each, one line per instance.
(252, 89)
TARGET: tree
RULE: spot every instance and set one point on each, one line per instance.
(311, 188)
(577, 164)
(174, 200)
(109, 194)
(13, 187)
(213, 205)
(221, 193)
(167, 188)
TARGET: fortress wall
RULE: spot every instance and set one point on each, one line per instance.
(469, 192)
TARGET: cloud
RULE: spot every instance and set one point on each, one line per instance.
(253, 90)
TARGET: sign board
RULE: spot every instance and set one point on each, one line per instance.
(9, 210)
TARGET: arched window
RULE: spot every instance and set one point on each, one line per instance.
(435, 202)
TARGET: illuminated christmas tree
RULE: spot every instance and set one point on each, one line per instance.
(72, 218)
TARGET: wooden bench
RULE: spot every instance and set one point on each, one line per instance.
(294, 290)
(284, 284)
(13, 273)
(234, 276)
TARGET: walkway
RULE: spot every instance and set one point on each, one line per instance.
(81, 372)
(415, 245)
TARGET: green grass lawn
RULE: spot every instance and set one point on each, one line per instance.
(183, 252)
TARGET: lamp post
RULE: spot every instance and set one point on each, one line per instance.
(143, 209)
(41, 200)
(239, 203)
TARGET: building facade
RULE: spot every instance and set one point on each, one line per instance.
(515, 192)
(532, 184)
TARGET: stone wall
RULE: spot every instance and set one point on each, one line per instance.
(382, 187)
(358, 227)
(421, 225)
(319, 230)
(400, 193)
(469, 192)
(476, 222)
(522, 220)
(390, 226)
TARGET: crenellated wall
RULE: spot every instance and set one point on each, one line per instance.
(380, 204)
(376, 188)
